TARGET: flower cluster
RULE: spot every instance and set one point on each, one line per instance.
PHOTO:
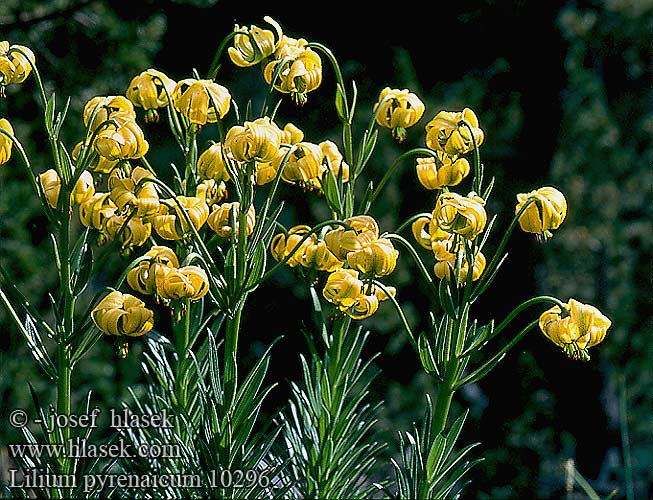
(353, 255)
(158, 273)
(119, 195)
(289, 64)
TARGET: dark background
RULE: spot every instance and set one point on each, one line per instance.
(562, 90)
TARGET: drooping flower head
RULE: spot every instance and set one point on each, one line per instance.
(398, 110)
(462, 215)
(298, 69)
(188, 282)
(446, 262)
(441, 170)
(364, 230)
(211, 164)
(304, 165)
(142, 277)
(5, 142)
(256, 140)
(334, 160)
(350, 295)
(311, 252)
(121, 139)
(283, 245)
(133, 192)
(454, 132)
(201, 101)
(122, 314)
(150, 90)
(15, 64)
(222, 216)
(102, 108)
(575, 329)
(131, 230)
(170, 222)
(377, 259)
(544, 214)
(252, 45)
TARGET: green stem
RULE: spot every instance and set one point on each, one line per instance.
(446, 388)
(497, 255)
(521, 307)
(485, 368)
(230, 355)
(390, 171)
(182, 336)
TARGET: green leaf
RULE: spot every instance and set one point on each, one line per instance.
(332, 191)
(341, 104)
(427, 358)
(49, 113)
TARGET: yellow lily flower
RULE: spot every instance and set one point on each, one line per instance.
(343, 288)
(211, 191)
(463, 215)
(291, 134)
(201, 101)
(128, 195)
(377, 259)
(257, 44)
(363, 307)
(122, 314)
(256, 140)
(15, 66)
(188, 282)
(211, 164)
(332, 157)
(150, 90)
(170, 224)
(316, 255)
(5, 142)
(95, 211)
(122, 140)
(282, 245)
(435, 173)
(83, 189)
(102, 108)
(398, 110)
(132, 230)
(447, 132)
(300, 69)
(576, 329)
(304, 166)
(445, 265)
(98, 163)
(546, 213)
(142, 278)
(364, 230)
(51, 185)
(220, 219)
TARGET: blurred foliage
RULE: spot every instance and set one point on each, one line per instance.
(526, 414)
